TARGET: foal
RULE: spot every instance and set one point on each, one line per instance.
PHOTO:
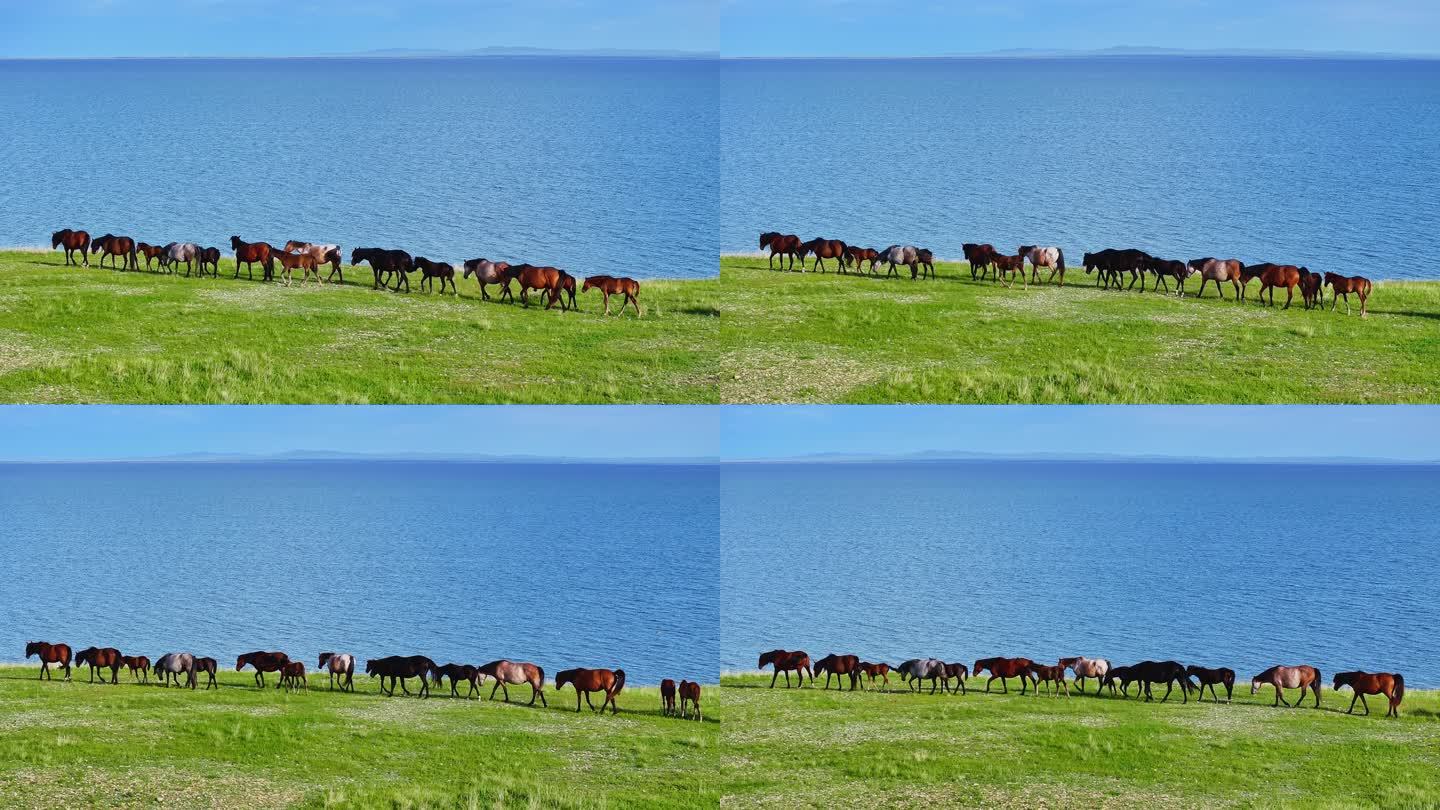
(689, 694)
(667, 697)
(611, 285)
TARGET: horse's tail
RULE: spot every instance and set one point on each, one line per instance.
(619, 681)
(1060, 257)
(539, 673)
(1399, 689)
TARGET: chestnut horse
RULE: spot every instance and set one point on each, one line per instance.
(138, 664)
(782, 245)
(1282, 677)
(531, 277)
(1051, 257)
(290, 261)
(101, 658)
(112, 246)
(517, 672)
(457, 673)
(248, 253)
(72, 241)
(981, 257)
(429, 271)
(384, 262)
(1217, 270)
(151, 253)
(1272, 276)
(1389, 684)
(839, 666)
(610, 285)
(324, 254)
(786, 662)
(586, 681)
(488, 272)
(340, 665)
(1004, 668)
(689, 698)
(58, 654)
(1342, 286)
(958, 671)
(1209, 677)
(855, 256)
(667, 697)
(263, 662)
(1049, 675)
(1008, 266)
(292, 676)
(1086, 668)
(823, 249)
(401, 668)
(209, 666)
(873, 671)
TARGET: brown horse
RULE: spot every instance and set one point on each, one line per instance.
(840, 666)
(112, 246)
(72, 241)
(138, 664)
(324, 254)
(1389, 684)
(689, 698)
(292, 676)
(58, 654)
(1210, 677)
(823, 249)
(873, 671)
(610, 285)
(487, 272)
(667, 697)
(856, 256)
(959, 672)
(340, 666)
(400, 668)
(1008, 266)
(249, 253)
(1282, 677)
(1004, 668)
(782, 245)
(1312, 289)
(101, 658)
(586, 681)
(210, 257)
(1049, 675)
(457, 673)
(981, 257)
(209, 666)
(1272, 276)
(151, 253)
(263, 662)
(290, 261)
(797, 661)
(429, 271)
(505, 671)
(531, 277)
(1342, 286)
(926, 260)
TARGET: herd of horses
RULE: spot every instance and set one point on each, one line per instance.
(388, 266)
(1111, 266)
(1117, 679)
(183, 669)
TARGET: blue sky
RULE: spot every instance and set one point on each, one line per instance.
(1232, 432)
(39, 433)
(300, 27)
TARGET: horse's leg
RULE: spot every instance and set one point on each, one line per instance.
(1289, 296)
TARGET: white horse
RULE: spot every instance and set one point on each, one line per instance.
(339, 664)
(1086, 668)
(171, 665)
(907, 255)
(1051, 257)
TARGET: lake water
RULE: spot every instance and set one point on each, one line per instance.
(1330, 164)
(573, 162)
(564, 565)
(1219, 565)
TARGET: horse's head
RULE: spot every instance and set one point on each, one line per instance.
(324, 657)
(55, 238)
(33, 648)
(1255, 684)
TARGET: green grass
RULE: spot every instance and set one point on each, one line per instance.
(812, 748)
(77, 744)
(788, 337)
(91, 335)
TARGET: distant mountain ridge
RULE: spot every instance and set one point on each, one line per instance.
(303, 456)
(503, 50)
(942, 456)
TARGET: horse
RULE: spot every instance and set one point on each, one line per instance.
(1008, 266)
(1051, 257)
(1217, 270)
(171, 665)
(545, 279)
(565, 289)
(176, 252)
(785, 661)
(292, 676)
(488, 272)
(248, 253)
(112, 246)
(782, 245)
(1312, 286)
(457, 673)
(689, 698)
(72, 241)
(1111, 263)
(1125, 675)
(873, 671)
(151, 253)
(1049, 675)
(1004, 669)
(1272, 276)
(324, 254)
(610, 285)
(210, 257)
(1086, 668)
(958, 671)
(667, 697)
(401, 668)
(899, 254)
(823, 249)
(1209, 677)
(981, 257)
(586, 681)
(1282, 677)
(209, 666)
(1162, 268)
(49, 654)
(926, 260)
(1166, 672)
(138, 664)
(857, 255)
(1344, 285)
(384, 262)
(924, 669)
(338, 664)
(263, 662)
(505, 671)
(839, 666)
(429, 271)
(101, 658)
(290, 261)
(1389, 684)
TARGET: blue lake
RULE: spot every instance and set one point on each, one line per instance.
(1329, 164)
(564, 565)
(1242, 566)
(574, 162)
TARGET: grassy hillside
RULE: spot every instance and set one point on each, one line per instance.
(78, 744)
(789, 337)
(92, 335)
(808, 747)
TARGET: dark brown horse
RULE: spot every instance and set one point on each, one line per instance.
(401, 668)
(586, 681)
(72, 241)
(926, 260)
(1301, 677)
(457, 673)
(505, 672)
(251, 253)
(1163, 269)
(782, 245)
(1272, 276)
(667, 697)
(981, 257)
(1005, 668)
(429, 271)
(487, 272)
(1111, 264)
(856, 256)
(611, 285)
(151, 253)
(1122, 675)
(209, 666)
(210, 257)
(384, 262)
(840, 666)
(1210, 677)
(1166, 672)
(959, 672)
(873, 671)
(1043, 673)
(1312, 289)
(1342, 286)
(1008, 266)
(787, 661)
(138, 664)
(689, 699)
(101, 658)
(1389, 684)
(112, 246)
(823, 249)
(292, 676)
(263, 662)
(58, 654)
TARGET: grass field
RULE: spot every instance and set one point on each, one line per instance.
(91, 335)
(789, 337)
(808, 747)
(78, 744)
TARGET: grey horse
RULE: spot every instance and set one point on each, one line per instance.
(925, 669)
(187, 252)
(171, 665)
(907, 255)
